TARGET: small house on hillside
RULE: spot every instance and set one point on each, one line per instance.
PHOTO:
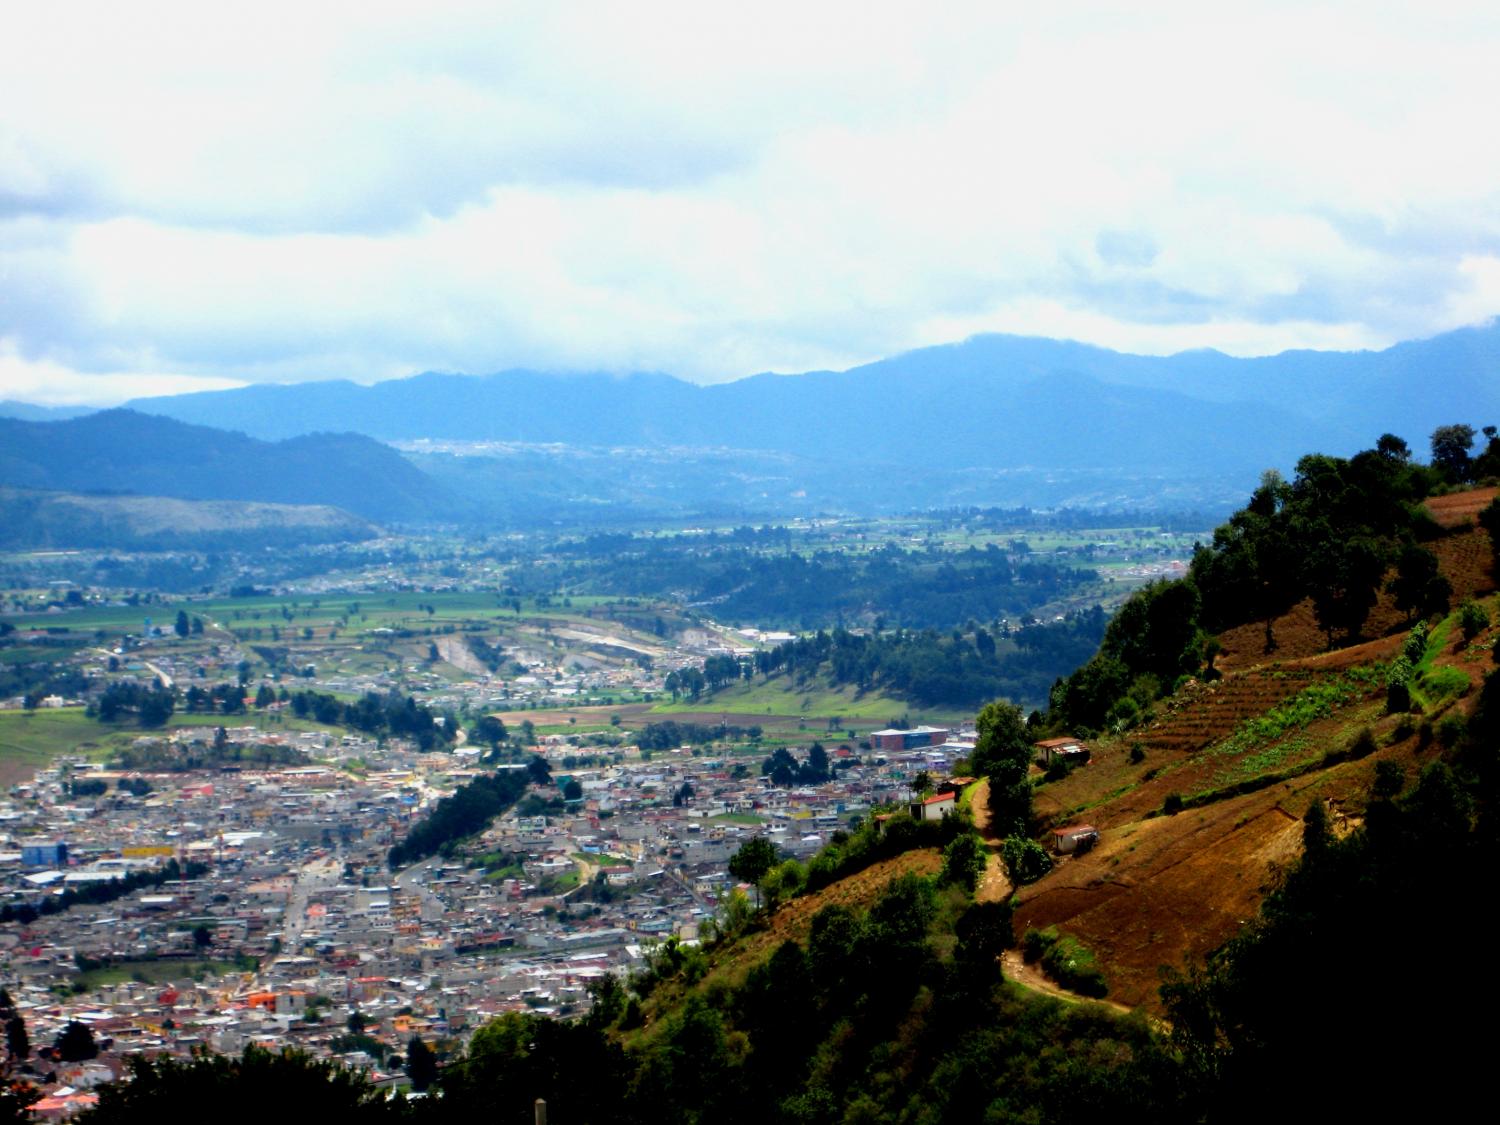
(934, 808)
(1068, 750)
(1074, 839)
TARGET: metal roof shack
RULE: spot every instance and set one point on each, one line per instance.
(1074, 839)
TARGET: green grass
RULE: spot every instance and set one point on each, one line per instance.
(966, 799)
(1316, 701)
(1439, 685)
(1266, 760)
(779, 696)
(32, 739)
(154, 972)
(36, 737)
(376, 611)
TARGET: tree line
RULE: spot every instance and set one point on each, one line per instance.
(469, 809)
(769, 581)
(926, 667)
(101, 891)
(394, 714)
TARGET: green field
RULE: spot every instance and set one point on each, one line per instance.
(778, 696)
(363, 612)
(30, 740)
(155, 972)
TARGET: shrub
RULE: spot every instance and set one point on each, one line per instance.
(1025, 860)
(1390, 779)
(1451, 731)
(963, 861)
(1398, 685)
(1473, 618)
(1066, 960)
(1137, 753)
(1173, 804)
(1363, 745)
(1416, 644)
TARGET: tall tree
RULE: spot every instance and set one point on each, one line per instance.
(76, 1042)
(1003, 753)
(1450, 451)
(421, 1064)
(753, 861)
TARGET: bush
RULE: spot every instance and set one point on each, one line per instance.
(1473, 619)
(1173, 804)
(1398, 685)
(1363, 745)
(1066, 960)
(1390, 779)
(1025, 860)
(1137, 753)
(1450, 731)
(1415, 646)
(963, 861)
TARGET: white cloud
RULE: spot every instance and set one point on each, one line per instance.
(300, 191)
(51, 384)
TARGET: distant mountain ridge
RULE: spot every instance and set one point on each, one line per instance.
(994, 401)
(993, 421)
(126, 451)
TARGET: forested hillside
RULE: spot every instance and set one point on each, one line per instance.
(925, 667)
(123, 451)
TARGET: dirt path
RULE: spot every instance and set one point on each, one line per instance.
(1032, 977)
(994, 884)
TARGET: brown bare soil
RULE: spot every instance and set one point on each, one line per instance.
(1458, 508)
(1466, 561)
(858, 892)
(15, 772)
(1159, 889)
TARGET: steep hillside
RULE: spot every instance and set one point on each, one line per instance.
(1240, 759)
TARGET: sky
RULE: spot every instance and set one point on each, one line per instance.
(196, 196)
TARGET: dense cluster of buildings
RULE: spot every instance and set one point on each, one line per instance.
(291, 930)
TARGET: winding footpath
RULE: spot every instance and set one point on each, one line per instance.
(995, 886)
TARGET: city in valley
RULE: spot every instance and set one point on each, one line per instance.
(212, 834)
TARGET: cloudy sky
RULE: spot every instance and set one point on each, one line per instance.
(194, 198)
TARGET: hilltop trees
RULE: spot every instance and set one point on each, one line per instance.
(1329, 535)
(1153, 640)
(1450, 452)
(318, 1089)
